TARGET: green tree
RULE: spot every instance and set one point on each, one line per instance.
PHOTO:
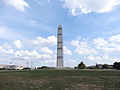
(81, 65)
(116, 65)
(105, 66)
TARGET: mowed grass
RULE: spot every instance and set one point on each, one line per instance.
(54, 79)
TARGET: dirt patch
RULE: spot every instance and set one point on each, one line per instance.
(83, 86)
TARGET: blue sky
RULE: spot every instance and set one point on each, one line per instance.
(28, 30)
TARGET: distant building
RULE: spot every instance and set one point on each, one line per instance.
(99, 66)
(2, 65)
(19, 67)
(91, 67)
(11, 67)
(103, 66)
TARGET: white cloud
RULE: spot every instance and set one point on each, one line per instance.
(102, 59)
(87, 49)
(87, 6)
(6, 51)
(67, 51)
(100, 43)
(18, 44)
(1, 47)
(70, 63)
(10, 51)
(7, 46)
(49, 41)
(49, 61)
(82, 47)
(110, 45)
(46, 50)
(75, 43)
(83, 51)
(8, 33)
(17, 4)
(40, 2)
(31, 54)
(98, 46)
(115, 38)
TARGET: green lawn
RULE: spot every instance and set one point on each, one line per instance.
(60, 80)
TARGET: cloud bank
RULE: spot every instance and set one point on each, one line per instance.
(77, 7)
(20, 5)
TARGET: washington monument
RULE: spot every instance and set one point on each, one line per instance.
(59, 48)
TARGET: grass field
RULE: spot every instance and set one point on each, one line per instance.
(60, 80)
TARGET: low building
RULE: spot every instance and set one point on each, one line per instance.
(11, 67)
(19, 67)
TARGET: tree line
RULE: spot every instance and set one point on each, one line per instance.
(81, 65)
(115, 65)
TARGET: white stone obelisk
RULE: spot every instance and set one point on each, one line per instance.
(59, 48)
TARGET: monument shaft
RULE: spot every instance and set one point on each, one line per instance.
(59, 48)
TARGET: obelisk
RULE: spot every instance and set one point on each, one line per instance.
(59, 48)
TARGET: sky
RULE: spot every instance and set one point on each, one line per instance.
(28, 31)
